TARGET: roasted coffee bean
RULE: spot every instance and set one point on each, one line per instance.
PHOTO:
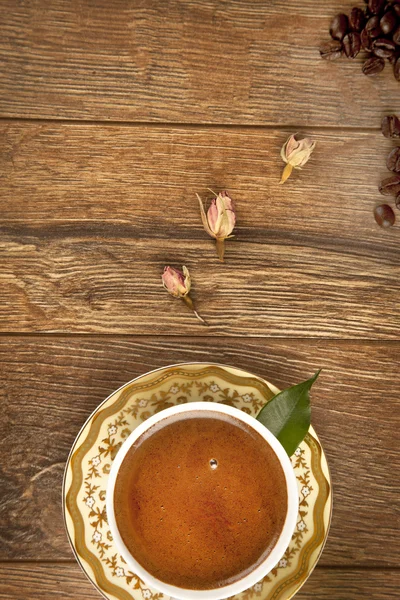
(373, 27)
(396, 35)
(391, 126)
(366, 41)
(339, 27)
(383, 48)
(376, 6)
(397, 201)
(397, 69)
(331, 50)
(390, 186)
(373, 66)
(357, 19)
(352, 44)
(384, 215)
(393, 160)
(388, 22)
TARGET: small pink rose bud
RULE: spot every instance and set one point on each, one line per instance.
(175, 282)
(178, 284)
(296, 154)
(220, 219)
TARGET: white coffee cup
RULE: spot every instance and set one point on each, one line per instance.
(273, 557)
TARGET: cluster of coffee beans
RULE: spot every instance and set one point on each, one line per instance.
(390, 186)
(376, 30)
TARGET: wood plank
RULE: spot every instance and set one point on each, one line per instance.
(51, 384)
(109, 286)
(140, 182)
(91, 214)
(36, 581)
(192, 61)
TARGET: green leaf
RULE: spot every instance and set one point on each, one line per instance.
(288, 414)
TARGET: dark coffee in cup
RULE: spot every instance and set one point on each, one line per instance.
(200, 500)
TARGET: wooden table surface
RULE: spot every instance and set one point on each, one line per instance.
(113, 114)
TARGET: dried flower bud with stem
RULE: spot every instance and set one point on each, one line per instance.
(295, 153)
(178, 284)
(220, 219)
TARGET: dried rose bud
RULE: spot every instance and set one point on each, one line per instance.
(220, 220)
(295, 153)
(178, 284)
(175, 282)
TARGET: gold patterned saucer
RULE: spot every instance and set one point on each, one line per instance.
(99, 440)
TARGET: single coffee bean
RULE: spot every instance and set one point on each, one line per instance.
(390, 186)
(393, 160)
(331, 50)
(357, 19)
(383, 47)
(396, 35)
(366, 41)
(384, 215)
(397, 201)
(396, 9)
(339, 27)
(376, 6)
(352, 44)
(391, 126)
(373, 27)
(388, 22)
(397, 69)
(373, 66)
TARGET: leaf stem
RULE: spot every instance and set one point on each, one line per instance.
(189, 303)
(287, 171)
(220, 243)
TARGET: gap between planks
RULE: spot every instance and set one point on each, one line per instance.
(177, 125)
(199, 338)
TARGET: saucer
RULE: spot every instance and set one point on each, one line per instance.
(89, 464)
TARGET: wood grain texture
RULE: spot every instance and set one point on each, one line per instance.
(49, 581)
(91, 210)
(253, 62)
(51, 384)
(91, 214)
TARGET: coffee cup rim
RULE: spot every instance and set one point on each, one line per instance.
(273, 557)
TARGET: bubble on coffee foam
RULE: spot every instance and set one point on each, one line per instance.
(213, 463)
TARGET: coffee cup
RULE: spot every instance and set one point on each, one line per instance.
(183, 416)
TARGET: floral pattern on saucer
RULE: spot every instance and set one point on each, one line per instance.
(99, 441)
